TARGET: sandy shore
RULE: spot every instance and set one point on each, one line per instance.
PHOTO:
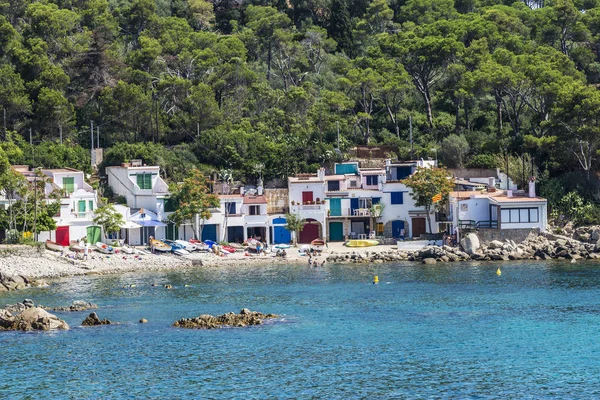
(53, 265)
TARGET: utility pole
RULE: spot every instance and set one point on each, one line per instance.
(98, 137)
(30, 137)
(35, 235)
(92, 134)
(4, 110)
(410, 137)
(60, 130)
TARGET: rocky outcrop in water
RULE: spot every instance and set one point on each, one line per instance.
(26, 317)
(77, 305)
(94, 320)
(205, 321)
(542, 247)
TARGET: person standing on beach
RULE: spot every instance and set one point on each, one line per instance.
(86, 250)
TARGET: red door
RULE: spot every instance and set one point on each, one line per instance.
(309, 233)
(306, 197)
(62, 235)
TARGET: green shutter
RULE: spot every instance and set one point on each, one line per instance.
(90, 205)
(140, 180)
(147, 181)
(169, 205)
(81, 206)
(69, 185)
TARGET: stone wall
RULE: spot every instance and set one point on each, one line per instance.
(517, 235)
(20, 250)
(277, 201)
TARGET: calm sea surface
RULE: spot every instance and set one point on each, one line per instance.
(445, 331)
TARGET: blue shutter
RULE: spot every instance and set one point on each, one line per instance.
(353, 205)
(376, 200)
(397, 198)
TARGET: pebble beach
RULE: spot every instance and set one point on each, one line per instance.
(51, 264)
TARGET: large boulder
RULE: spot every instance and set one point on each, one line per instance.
(37, 319)
(205, 321)
(470, 243)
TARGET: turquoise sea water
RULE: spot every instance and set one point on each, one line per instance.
(444, 331)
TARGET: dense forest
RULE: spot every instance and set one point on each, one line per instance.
(281, 87)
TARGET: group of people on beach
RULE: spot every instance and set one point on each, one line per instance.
(314, 263)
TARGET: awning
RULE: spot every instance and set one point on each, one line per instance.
(130, 225)
(151, 222)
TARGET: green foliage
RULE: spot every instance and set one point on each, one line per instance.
(192, 199)
(229, 84)
(294, 224)
(108, 218)
(574, 208)
(487, 161)
(426, 183)
(454, 150)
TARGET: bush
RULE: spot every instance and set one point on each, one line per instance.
(487, 161)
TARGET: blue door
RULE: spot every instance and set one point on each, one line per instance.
(397, 227)
(281, 235)
(353, 205)
(209, 232)
(335, 207)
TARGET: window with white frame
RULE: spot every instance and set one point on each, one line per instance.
(353, 184)
(254, 210)
(520, 215)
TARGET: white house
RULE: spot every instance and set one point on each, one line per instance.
(306, 197)
(359, 203)
(499, 209)
(146, 193)
(78, 200)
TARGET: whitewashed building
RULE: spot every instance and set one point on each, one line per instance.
(499, 209)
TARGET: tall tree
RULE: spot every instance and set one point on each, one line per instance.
(193, 201)
(426, 183)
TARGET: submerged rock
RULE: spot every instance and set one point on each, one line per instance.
(205, 321)
(93, 320)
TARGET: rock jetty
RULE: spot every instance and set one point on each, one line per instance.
(205, 321)
(26, 317)
(94, 320)
(542, 247)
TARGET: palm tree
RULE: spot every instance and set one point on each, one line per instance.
(294, 224)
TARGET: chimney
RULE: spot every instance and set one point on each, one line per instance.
(321, 174)
(259, 190)
(241, 190)
(532, 188)
(509, 193)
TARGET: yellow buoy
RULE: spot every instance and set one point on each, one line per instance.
(375, 280)
(498, 272)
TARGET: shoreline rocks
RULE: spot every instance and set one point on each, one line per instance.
(542, 247)
(26, 317)
(243, 319)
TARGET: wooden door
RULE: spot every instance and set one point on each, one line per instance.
(418, 227)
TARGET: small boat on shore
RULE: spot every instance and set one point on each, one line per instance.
(76, 247)
(54, 246)
(104, 248)
(362, 243)
(159, 246)
(317, 244)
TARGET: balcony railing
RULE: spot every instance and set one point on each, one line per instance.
(471, 224)
(349, 212)
(82, 215)
(309, 207)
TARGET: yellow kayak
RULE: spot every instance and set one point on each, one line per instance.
(362, 243)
